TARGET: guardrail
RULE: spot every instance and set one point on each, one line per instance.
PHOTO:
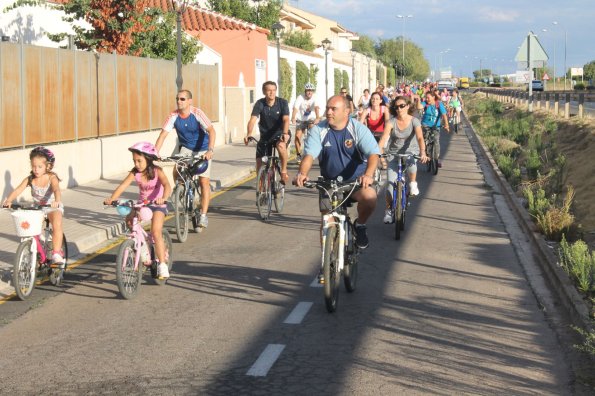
(542, 99)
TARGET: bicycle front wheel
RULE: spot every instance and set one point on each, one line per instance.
(168, 256)
(350, 268)
(434, 158)
(179, 200)
(399, 213)
(263, 193)
(23, 272)
(128, 278)
(279, 191)
(331, 269)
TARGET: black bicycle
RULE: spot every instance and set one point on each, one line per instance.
(339, 250)
(432, 148)
(269, 188)
(186, 195)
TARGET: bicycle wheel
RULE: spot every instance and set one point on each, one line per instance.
(434, 159)
(23, 270)
(168, 256)
(127, 277)
(57, 274)
(429, 149)
(331, 269)
(350, 268)
(195, 212)
(179, 198)
(278, 191)
(263, 185)
(399, 210)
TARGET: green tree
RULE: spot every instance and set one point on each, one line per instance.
(413, 67)
(483, 73)
(313, 72)
(589, 71)
(300, 39)
(302, 76)
(345, 81)
(338, 81)
(365, 45)
(391, 75)
(264, 15)
(286, 79)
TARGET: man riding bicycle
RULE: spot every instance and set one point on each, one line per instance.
(307, 112)
(345, 148)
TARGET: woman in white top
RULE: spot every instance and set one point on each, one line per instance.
(403, 134)
(365, 99)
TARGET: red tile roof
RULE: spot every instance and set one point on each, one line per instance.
(197, 19)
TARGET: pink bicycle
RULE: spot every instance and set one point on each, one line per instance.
(34, 255)
(137, 253)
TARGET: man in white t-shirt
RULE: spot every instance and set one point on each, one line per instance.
(307, 112)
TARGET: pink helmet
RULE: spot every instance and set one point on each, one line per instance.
(145, 148)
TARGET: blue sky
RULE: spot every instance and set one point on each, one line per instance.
(472, 29)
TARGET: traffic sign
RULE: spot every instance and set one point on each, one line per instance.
(538, 55)
(545, 77)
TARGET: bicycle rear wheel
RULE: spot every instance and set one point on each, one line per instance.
(57, 274)
(264, 194)
(179, 200)
(434, 158)
(168, 256)
(278, 191)
(24, 268)
(331, 269)
(399, 210)
(127, 277)
(350, 268)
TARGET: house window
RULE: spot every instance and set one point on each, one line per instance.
(260, 64)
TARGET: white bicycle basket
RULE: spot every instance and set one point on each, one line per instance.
(28, 222)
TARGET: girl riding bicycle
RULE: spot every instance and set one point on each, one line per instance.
(45, 190)
(153, 186)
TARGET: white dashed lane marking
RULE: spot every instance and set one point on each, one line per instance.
(265, 361)
(299, 312)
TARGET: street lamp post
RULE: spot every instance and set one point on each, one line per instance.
(180, 7)
(403, 17)
(353, 55)
(565, 42)
(326, 43)
(277, 31)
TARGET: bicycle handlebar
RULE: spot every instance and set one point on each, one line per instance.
(27, 207)
(132, 204)
(406, 155)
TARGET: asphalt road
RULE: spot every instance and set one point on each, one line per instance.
(445, 310)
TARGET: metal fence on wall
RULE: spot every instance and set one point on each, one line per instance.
(50, 95)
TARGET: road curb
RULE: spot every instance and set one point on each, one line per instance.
(568, 296)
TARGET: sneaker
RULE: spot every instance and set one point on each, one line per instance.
(298, 159)
(413, 190)
(388, 216)
(203, 221)
(321, 277)
(57, 260)
(162, 271)
(361, 237)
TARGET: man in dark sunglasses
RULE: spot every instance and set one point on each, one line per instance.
(196, 136)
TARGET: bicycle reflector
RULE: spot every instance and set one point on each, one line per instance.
(123, 210)
(198, 168)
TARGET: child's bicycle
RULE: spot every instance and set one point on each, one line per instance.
(34, 255)
(137, 253)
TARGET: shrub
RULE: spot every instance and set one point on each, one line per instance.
(302, 76)
(557, 220)
(286, 80)
(536, 201)
(579, 262)
(506, 164)
(300, 39)
(533, 164)
(579, 86)
(345, 81)
(313, 73)
(338, 81)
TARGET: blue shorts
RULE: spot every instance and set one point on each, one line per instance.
(155, 208)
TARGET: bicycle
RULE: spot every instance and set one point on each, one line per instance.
(399, 201)
(339, 250)
(432, 149)
(186, 196)
(269, 188)
(137, 252)
(34, 254)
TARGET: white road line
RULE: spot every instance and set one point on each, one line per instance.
(299, 312)
(315, 282)
(265, 361)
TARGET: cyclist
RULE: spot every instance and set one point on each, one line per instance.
(364, 100)
(344, 147)
(403, 134)
(196, 136)
(343, 92)
(375, 118)
(456, 105)
(308, 112)
(274, 122)
(153, 185)
(433, 114)
(45, 190)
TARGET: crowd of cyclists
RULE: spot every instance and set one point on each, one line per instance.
(345, 136)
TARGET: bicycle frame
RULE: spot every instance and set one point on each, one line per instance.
(139, 235)
(401, 177)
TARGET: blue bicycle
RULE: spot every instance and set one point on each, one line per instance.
(399, 202)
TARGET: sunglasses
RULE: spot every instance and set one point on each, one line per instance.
(182, 99)
(402, 105)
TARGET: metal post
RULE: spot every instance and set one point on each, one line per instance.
(326, 75)
(179, 79)
(565, 70)
(279, 65)
(529, 64)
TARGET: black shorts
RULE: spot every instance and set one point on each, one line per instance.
(264, 148)
(324, 201)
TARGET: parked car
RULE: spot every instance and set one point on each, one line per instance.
(537, 85)
(449, 85)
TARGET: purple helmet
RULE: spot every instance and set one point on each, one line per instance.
(145, 148)
(49, 156)
(198, 168)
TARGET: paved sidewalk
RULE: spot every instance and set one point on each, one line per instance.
(87, 224)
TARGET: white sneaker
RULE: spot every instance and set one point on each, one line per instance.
(388, 216)
(57, 260)
(413, 190)
(162, 271)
